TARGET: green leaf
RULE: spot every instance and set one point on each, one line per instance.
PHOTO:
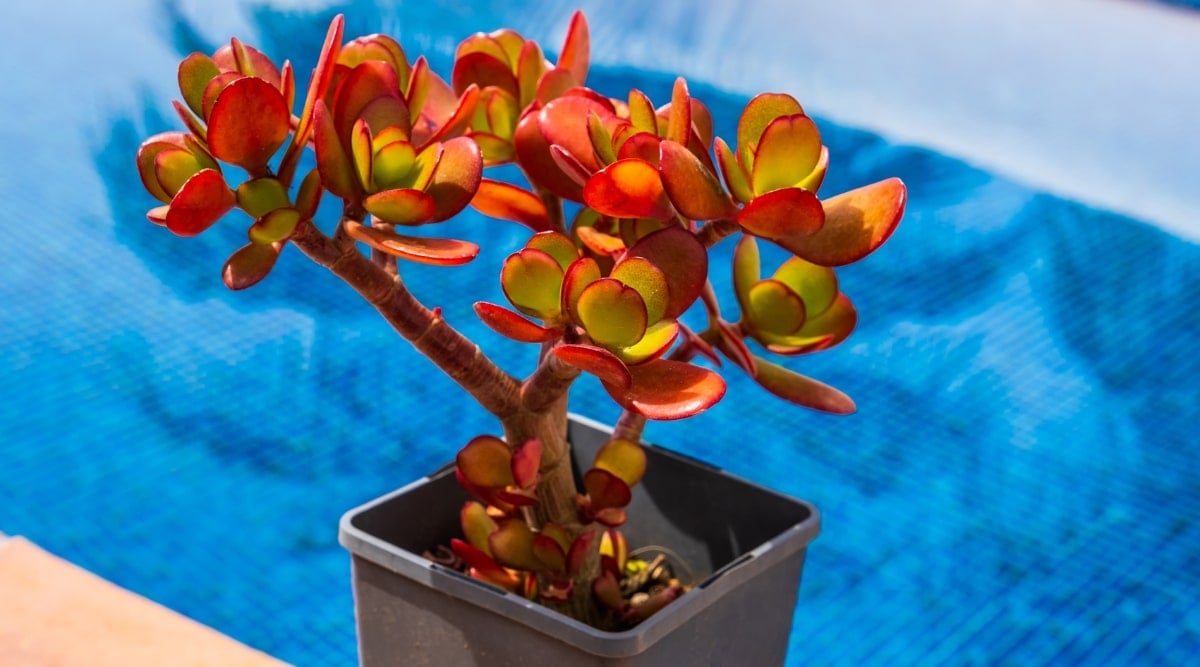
(775, 308)
(649, 281)
(195, 72)
(557, 245)
(532, 280)
(613, 314)
(755, 118)
(654, 343)
(476, 525)
(788, 152)
(402, 206)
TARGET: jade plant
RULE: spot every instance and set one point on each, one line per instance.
(622, 198)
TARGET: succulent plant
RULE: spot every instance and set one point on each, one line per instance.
(651, 190)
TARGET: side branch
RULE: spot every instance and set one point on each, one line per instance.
(497, 391)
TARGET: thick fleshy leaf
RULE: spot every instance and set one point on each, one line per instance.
(602, 141)
(376, 47)
(735, 177)
(607, 591)
(526, 459)
(628, 189)
(747, 269)
(557, 245)
(456, 178)
(419, 249)
(641, 146)
(211, 92)
(483, 70)
(532, 280)
(755, 118)
(599, 242)
(486, 461)
(663, 389)
(654, 343)
(509, 202)
(550, 554)
(147, 156)
(641, 113)
(856, 223)
(512, 545)
(249, 265)
(337, 172)
(581, 273)
(402, 206)
(732, 344)
(386, 112)
(392, 167)
(575, 55)
(248, 123)
(172, 168)
(605, 489)
(693, 188)
(817, 285)
(321, 77)
(614, 546)
(579, 551)
(259, 196)
(202, 200)
(511, 325)
(366, 82)
(683, 261)
(775, 308)
(484, 567)
(625, 459)
(554, 84)
(819, 332)
(679, 117)
(458, 122)
(648, 280)
(569, 165)
(612, 313)
(788, 152)
(308, 196)
(247, 60)
(531, 65)
(275, 226)
(195, 71)
(476, 524)
(801, 390)
(533, 154)
(597, 361)
(784, 216)
(563, 122)
(362, 154)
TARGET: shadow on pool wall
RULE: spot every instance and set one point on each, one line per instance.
(1022, 370)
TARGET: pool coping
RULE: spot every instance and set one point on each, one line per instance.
(56, 613)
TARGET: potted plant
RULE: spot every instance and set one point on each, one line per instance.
(622, 200)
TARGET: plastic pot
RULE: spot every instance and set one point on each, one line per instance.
(744, 544)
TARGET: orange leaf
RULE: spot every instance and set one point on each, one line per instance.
(597, 361)
(856, 223)
(693, 187)
(438, 252)
(250, 264)
(664, 389)
(628, 189)
(248, 123)
(509, 202)
(783, 216)
(203, 199)
(511, 325)
(456, 179)
(801, 390)
(576, 46)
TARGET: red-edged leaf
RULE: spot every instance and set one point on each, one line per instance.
(856, 223)
(735, 177)
(663, 389)
(247, 60)
(784, 216)
(679, 116)
(628, 189)
(486, 461)
(788, 152)
(456, 179)
(250, 264)
(203, 199)
(599, 242)
(531, 64)
(433, 251)
(612, 313)
(569, 165)
(308, 197)
(482, 69)
(563, 122)
(607, 590)
(605, 490)
(526, 459)
(615, 548)
(476, 524)
(509, 202)
(512, 545)
(532, 280)
(337, 172)
(693, 187)
(642, 146)
(511, 325)
(775, 308)
(580, 549)
(248, 123)
(581, 273)
(195, 71)
(597, 361)
(275, 226)
(365, 83)
(401, 206)
(484, 567)
(755, 118)
(683, 261)
(575, 51)
(147, 156)
(322, 75)
(550, 554)
(819, 332)
(801, 390)
(533, 155)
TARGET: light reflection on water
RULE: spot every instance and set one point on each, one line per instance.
(1019, 483)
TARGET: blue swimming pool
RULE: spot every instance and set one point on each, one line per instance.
(1020, 485)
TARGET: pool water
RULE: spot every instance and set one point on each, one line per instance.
(1019, 486)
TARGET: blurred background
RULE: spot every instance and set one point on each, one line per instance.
(1019, 486)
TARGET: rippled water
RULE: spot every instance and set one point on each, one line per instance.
(1019, 486)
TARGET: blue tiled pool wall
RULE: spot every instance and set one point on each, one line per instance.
(1019, 486)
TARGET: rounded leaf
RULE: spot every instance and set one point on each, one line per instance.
(476, 524)
(511, 545)
(249, 265)
(664, 390)
(856, 223)
(774, 308)
(613, 314)
(486, 461)
(788, 152)
(693, 188)
(817, 285)
(259, 196)
(203, 199)
(683, 261)
(628, 189)
(783, 216)
(456, 178)
(649, 281)
(597, 361)
(277, 225)
(532, 280)
(248, 123)
(625, 459)
(655, 343)
(755, 118)
(402, 206)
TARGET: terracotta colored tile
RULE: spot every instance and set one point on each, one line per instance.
(54, 614)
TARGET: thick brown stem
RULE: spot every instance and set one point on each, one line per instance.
(458, 357)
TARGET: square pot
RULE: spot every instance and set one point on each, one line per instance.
(745, 545)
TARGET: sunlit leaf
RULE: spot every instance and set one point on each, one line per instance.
(581, 273)
(624, 459)
(486, 461)
(856, 223)
(637, 272)
(597, 361)
(755, 118)
(511, 325)
(683, 261)
(735, 177)
(801, 390)
(402, 206)
(260, 196)
(817, 285)
(775, 308)
(628, 189)
(663, 389)
(557, 245)
(147, 156)
(249, 265)
(423, 250)
(456, 178)
(248, 123)
(785, 216)
(788, 152)
(203, 199)
(277, 225)
(533, 154)
(195, 71)
(599, 242)
(482, 69)
(337, 172)
(613, 314)
(532, 280)
(693, 188)
(679, 118)
(563, 122)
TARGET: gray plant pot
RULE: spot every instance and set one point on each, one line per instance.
(745, 543)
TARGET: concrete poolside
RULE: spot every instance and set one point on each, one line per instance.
(55, 614)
